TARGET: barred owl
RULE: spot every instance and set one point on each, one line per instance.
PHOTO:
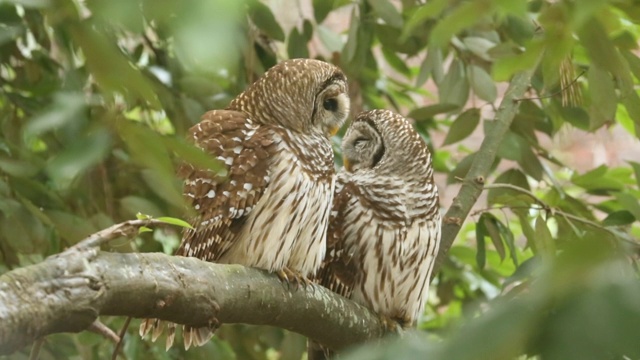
(272, 209)
(384, 230)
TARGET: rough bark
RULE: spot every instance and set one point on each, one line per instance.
(67, 292)
(473, 183)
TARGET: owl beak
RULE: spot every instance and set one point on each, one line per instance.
(346, 164)
(334, 130)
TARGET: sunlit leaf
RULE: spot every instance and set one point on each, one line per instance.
(545, 245)
(175, 221)
(387, 12)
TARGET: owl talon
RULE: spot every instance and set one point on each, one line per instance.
(391, 325)
(289, 277)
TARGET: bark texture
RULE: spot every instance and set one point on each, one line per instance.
(67, 292)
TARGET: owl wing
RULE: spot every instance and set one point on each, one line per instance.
(222, 203)
(338, 271)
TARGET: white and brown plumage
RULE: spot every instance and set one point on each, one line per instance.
(272, 209)
(384, 230)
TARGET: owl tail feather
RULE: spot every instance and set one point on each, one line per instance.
(192, 336)
(196, 336)
(315, 351)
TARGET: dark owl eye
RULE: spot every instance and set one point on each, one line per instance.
(330, 104)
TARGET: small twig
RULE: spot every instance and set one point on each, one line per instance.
(543, 206)
(123, 331)
(520, 190)
(125, 229)
(503, 207)
(101, 329)
(35, 349)
(563, 89)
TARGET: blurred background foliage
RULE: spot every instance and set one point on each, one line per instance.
(95, 97)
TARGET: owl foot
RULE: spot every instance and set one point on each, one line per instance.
(391, 325)
(289, 276)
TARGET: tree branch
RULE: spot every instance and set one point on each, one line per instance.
(472, 185)
(67, 292)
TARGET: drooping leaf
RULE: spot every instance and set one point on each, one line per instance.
(265, 20)
(463, 126)
(429, 111)
(454, 88)
(388, 12)
(545, 245)
(482, 83)
(603, 97)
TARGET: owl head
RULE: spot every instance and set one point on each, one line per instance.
(384, 142)
(302, 95)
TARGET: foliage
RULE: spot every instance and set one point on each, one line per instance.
(96, 96)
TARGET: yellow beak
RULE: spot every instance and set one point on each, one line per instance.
(334, 130)
(346, 164)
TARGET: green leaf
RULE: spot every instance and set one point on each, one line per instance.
(636, 171)
(350, 47)
(321, 8)
(175, 221)
(143, 229)
(461, 169)
(491, 224)
(504, 68)
(507, 196)
(104, 59)
(481, 253)
(463, 16)
(463, 126)
(387, 12)
(83, 154)
(479, 46)
(396, 62)
(428, 112)
(603, 98)
(545, 245)
(482, 83)
(431, 10)
(66, 109)
(454, 88)
(631, 102)
(603, 53)
(31, 3)
(508, 239)
(619, 218)
(264, 20)
(135, 206)
(297, 45)
(597, 180)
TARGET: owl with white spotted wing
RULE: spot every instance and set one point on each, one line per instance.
(384, 231)
(272, 209)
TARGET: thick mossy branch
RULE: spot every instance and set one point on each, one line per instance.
(473, 183)
(67, 292)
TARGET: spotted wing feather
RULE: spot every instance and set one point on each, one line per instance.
(222, 203)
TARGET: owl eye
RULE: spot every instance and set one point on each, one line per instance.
(330, 104)
(359, 141)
